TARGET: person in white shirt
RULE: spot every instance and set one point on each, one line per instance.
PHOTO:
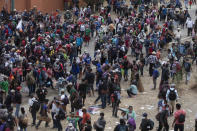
(54, 110)
(178, 35)
(171, 97)
(31, 109)
(189, 24)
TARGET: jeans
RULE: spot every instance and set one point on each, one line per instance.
(115, 108)
(165, 125)
(54, 121)
(59, 125)
(154, 82)
(103, 100)
(99, 97)
(187, 77)
(17, 110)
(151, 69)
(23, 129)
(189, 31)
(31, 90)
(33, 114)
(179, 127)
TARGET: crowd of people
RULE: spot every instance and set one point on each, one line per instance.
(41, 52)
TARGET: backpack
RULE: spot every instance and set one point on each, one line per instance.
(187, 67)
(61, 115)
(122, 128)
(181, 118)
(150, 124)
(36, 106)
(78, 103)
(172, 95)
(10, 120)
(65, 100)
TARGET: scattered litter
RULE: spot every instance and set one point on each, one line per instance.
(94, 109)
(142, 108)
(117, 122)
(189, 110)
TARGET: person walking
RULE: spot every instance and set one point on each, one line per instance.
(171, 97)
(179, 118)
(163, 119)
(188, 68)
(146, 124)
(99, 125)
(122, 126)
(34, 106)
(155, 76)
(152, 59)
(18, 101)
(189, 24)
(44, 114)
(23, 120)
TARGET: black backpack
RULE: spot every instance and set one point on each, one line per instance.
(36, 106)
(65, 100)
(61, 115)
(122, 128)
(10, 120)
(150, 124)
(78, 103)
(172, 95)
(181, 118)
(187, 66)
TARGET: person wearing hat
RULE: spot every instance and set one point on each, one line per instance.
(171, 97)
(146, 124)
(152, 60)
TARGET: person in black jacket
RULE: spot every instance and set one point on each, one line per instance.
(122, 126)
(9, 99)
(41, 94)
(18, 101)
(90, 77)
(144, 126)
